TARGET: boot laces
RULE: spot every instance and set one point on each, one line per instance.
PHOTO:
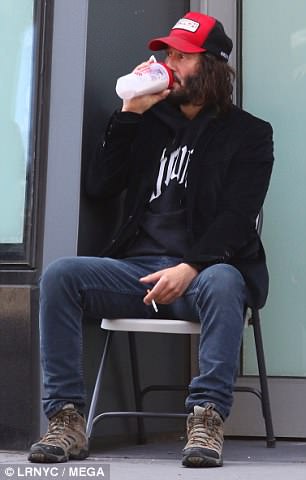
(205, 430)
(58, 425)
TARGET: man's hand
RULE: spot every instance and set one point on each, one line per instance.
(170, 283)
(144, 102)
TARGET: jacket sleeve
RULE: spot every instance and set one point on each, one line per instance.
(107, 173)
(244, 190)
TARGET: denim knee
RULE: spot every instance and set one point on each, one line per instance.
(221, 281)
(58, 272)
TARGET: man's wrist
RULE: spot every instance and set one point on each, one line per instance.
(126, 109)
(196, 268)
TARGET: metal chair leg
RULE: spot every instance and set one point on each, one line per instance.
(265, 398)
(137, 390)
(95, 395)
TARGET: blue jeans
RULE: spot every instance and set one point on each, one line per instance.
(106, 287)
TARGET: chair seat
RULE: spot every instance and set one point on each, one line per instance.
(156, 325)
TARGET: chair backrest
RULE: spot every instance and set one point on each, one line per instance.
(259, 222)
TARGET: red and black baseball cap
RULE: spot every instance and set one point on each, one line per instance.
(196, 32)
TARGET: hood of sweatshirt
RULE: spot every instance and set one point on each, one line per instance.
(183, 131)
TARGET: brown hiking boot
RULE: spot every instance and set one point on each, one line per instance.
(205, 438)
(65, 439)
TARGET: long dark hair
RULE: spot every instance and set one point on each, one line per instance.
(214, 83)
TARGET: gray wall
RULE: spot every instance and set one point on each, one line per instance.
(65, 129)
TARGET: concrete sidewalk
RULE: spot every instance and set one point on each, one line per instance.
(243, 460)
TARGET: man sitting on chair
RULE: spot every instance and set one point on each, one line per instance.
(196, 170)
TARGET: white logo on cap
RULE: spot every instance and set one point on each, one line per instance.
(187, 24)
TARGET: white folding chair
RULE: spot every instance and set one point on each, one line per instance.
(134, 325)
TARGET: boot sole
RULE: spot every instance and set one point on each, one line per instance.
(198, 459)
(40, 456)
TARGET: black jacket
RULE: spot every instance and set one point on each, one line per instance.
(228, 178)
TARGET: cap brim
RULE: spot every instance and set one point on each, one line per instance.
(174, 42)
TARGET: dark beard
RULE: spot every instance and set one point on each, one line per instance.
(189, 94)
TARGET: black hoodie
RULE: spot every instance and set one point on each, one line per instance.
(163, 228)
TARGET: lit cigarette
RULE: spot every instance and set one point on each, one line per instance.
(153, 303)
